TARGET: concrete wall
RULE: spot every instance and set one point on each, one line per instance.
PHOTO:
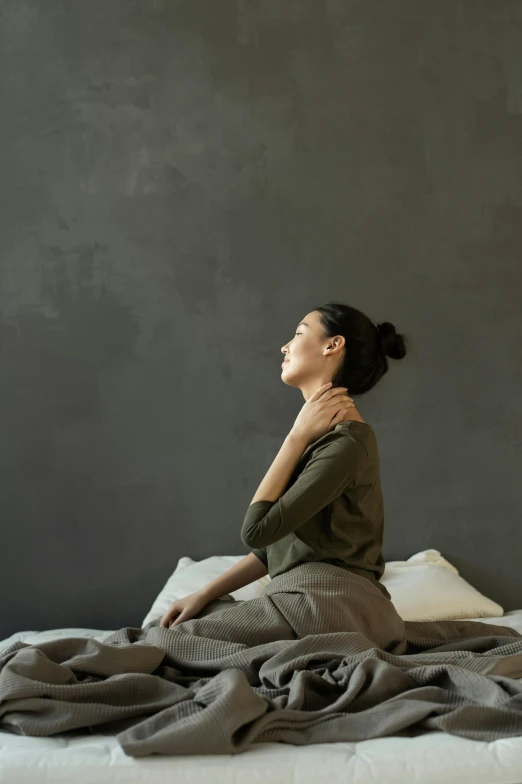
(180, 183)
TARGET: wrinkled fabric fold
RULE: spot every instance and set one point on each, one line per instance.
(320, 656)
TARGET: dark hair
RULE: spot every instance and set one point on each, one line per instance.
(366, 348)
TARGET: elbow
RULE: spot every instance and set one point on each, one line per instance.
(249, 541)
(258, 531)
(251, 536)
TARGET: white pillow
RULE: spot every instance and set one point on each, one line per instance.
(426, 587)
(190, 576)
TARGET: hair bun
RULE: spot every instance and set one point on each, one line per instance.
(392, 343)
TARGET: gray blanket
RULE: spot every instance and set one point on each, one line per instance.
(321, 656)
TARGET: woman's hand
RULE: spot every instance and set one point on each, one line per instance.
(322, 412)
(184, 609)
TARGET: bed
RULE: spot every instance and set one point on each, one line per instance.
(425, 586)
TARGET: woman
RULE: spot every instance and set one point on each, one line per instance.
(319, 509)
(313, 657)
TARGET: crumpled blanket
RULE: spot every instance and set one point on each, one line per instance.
(321, 656)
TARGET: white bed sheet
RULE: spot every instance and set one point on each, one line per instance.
(430, 757)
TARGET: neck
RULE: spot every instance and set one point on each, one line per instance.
(352, 413)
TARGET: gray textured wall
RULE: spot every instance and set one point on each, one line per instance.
(180, 183)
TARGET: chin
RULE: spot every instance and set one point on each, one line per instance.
(286, 379)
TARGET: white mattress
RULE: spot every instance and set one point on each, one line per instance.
(431, 757)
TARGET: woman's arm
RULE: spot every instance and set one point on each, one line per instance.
(332, 469)
(277, 476)
(243, 573)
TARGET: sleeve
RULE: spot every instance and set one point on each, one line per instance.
(331, 469)
(261, 554)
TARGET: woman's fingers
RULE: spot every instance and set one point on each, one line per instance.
(341, 398)
(167, 618)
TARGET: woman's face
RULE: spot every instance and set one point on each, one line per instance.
(311, 358)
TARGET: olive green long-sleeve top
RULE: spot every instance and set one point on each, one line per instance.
(331, 510)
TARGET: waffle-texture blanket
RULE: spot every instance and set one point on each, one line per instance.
(321, 656)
